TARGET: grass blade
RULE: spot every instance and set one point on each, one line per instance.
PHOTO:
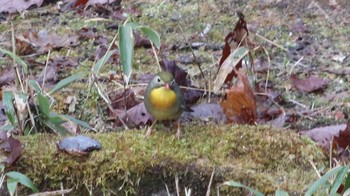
(96, 68)
(322, 181)
(65, 82)
(17, 59)
(34, 85)
(339, 179)
(237, 184)
(76, 121)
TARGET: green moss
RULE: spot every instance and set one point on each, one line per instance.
(256, 156)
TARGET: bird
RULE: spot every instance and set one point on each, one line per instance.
(164, 101)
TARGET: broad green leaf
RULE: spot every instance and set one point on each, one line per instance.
(237, 184)
(280, 193)
(134, 25)
(227, 66)
(23, 179)
(55, 119)
(76, 121)
(11, 185)
(7, 128)
(96, 68)
(65, 82)
(152, 35)
(17, 59)
(322, 181)
(56, 128)
(44, 105)
(339, 179)
(7, 100)
(347, 182)
(126, 47)
(34, 85)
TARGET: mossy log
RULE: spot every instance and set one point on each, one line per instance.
(256, 156)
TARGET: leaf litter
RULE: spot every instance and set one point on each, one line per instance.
(252, 109)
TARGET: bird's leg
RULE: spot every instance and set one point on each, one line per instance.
(178, 131)
(149, 130)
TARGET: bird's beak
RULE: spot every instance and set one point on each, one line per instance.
(166, 85)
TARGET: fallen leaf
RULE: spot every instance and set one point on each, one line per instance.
(207, 112)
(239, 105)
(86, 33)
(310, 84)
(278, 122)
(343, 140)
(323, 135)
(43, 41)
(123, 99)
(7, 76)
(11, 146)
(12, 6)
(137, 116)
(49, 74)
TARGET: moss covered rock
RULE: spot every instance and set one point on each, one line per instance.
(260, 157)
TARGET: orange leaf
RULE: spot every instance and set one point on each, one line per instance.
(239, 105)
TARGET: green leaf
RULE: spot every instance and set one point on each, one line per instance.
(76, 121)
(96, 68)
(17, 59)
(134, 25)
(7, 128)
(126, 47)
(237, 184)
(44, 105)
(7, 100)
(34, 85)
(56, 119)
(23, 179)
(280, 193)
(11, 185)
(152, 35)
(322, 181)
(56, 128)
(339, 179)
(347, 182)
(65, 82)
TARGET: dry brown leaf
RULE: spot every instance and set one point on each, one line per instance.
(12, 6)
(323, 135)
(43, 41)
(239, 105)
(310, 84)
(343, 140)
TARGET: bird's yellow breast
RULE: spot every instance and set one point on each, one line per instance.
(162, 98)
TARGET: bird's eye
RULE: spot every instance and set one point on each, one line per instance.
(158, 79)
